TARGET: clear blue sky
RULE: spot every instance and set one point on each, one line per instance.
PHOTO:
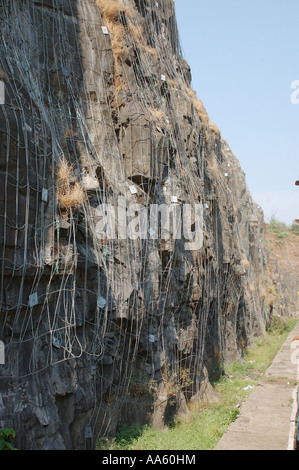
(244, 55)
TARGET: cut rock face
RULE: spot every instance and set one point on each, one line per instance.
(101, 330)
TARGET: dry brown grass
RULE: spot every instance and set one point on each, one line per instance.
(213, 166)
(111, 12)
(137, 33)
(213, 169)
(69, 133)
(245, 263)
(117, 38)
(172, 83)
(111, 17)
(198, 105)
(251, 287)
(3, 75)
(64, 172)
(214, 128)
(270, 296)
(201, 111)
(117, 35)
(70, 194)
(111, 9)
(287, 253)
(158, 114)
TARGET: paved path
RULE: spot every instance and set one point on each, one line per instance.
(267, 419)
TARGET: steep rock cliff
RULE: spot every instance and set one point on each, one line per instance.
(100, 330)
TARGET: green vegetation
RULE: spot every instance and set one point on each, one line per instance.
(276, 226)
(208, 422)
(281, 229)
(294, 228)
(6, 435)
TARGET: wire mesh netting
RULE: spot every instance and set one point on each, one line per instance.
(99, 109)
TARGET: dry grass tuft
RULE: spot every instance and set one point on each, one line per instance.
(172, 83)
(201, 111)
(158, 114)
(69, 133)
(270, 295)
(71, 197)
(251, 287)
(198, 105)
(64, 172)
(117, 38)
(111, 12)
(212, 165)
(214, 128)
(236, 210)
(111, 9)
(3, 75)
(117, 45)
(245, 263)
(213, 169)
(137, 34)
(70, 194)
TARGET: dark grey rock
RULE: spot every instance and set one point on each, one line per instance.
(123, 329)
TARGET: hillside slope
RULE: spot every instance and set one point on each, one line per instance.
(283, 244)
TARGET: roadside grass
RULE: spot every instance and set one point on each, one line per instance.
(208, 422)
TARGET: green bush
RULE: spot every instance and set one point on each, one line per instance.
(281, 235)
(280, 325)
(276, 226)
(295, 228)
(281, 229)
(126, 435)
(6, 435)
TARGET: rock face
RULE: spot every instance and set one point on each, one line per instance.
(101, 329)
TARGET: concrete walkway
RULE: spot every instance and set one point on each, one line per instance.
(267, 419)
